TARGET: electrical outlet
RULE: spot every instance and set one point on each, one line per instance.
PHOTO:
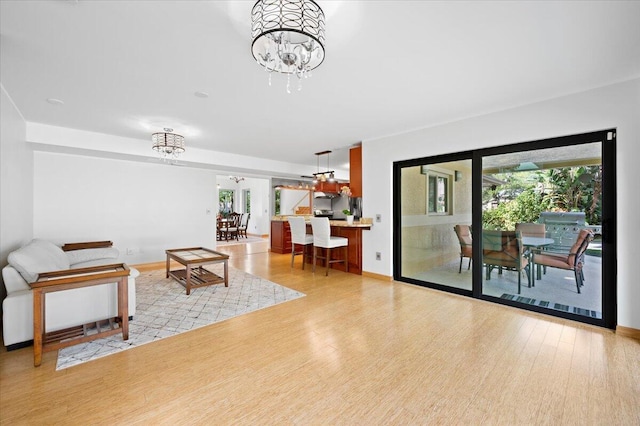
(378, 255)
(378, 219)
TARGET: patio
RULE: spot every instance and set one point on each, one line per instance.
(556, 289)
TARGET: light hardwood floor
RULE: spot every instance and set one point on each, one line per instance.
(355, 350)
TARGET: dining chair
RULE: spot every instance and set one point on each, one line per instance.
(299, 237)
(503, 249)
(463, 232)
(573, 261)
(322, 239)
(229, 227)
(244, 224)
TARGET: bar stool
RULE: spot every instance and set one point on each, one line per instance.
(299, 236)
(322, 239)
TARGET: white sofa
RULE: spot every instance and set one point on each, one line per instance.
(65, 308)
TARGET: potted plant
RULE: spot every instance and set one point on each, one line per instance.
(349, 216)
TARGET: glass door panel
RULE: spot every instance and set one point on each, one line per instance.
(435, 199)
(542, 228)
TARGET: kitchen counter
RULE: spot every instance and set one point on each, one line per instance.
(367, 224)
(281, 239)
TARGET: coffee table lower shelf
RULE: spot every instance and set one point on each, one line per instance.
(200, 277)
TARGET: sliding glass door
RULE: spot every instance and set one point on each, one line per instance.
(529, 225)
(545, 205)
(435, 223)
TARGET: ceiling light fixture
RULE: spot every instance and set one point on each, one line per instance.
(237, 179)
(169, 145)
(326, 176)
(288, 37)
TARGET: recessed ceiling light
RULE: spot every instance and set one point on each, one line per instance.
(201, 94)
(54, 101)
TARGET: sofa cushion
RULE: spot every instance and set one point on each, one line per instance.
(36, 257)
(88, 255)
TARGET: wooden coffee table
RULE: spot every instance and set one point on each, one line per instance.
(194, 275)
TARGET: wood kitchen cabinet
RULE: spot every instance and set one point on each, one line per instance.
(354, 235)
(355, 171)
(327, 187)
(280, 236)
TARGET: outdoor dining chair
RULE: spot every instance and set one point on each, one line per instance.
(463, 232)
(573, 261)
(503, 249)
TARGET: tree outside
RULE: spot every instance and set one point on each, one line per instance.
(225, 202)
(525, 195)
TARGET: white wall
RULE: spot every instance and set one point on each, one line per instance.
(615, 106)
(291, 198)
(260, 221)
(145, 207)
(16, 183)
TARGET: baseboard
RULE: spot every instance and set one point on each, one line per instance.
(153, 266)
(377, 276)
(19, 345)
(634, 333)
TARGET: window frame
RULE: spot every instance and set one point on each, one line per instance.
(438, 172)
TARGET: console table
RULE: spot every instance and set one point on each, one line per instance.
(50, 282)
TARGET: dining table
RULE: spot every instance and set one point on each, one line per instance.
(530, 243)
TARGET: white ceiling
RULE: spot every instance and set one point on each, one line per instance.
(129, 68)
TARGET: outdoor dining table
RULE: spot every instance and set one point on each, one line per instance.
(538, 243)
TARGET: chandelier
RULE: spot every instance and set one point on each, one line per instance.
(288, 37)
(326, 176)
(237, 179)
(167, 144)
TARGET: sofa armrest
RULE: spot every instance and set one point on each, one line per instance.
(13, 281)
(87, 245)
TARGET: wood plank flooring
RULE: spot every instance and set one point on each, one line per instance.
(355, 350)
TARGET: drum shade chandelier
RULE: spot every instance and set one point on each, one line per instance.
(167, 144)
(288, 37)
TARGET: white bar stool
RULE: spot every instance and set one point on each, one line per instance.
(322, 239)
(299, 236)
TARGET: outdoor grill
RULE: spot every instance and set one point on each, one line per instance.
(564, 228)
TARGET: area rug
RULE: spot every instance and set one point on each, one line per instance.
(163, 309)
(552, 305)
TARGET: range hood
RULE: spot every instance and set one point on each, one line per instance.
(322, 194)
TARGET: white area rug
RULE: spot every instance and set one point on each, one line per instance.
(163, 310)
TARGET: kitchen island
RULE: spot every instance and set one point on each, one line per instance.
(281, 239)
